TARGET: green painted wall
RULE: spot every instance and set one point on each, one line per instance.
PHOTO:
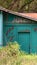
(25, 34)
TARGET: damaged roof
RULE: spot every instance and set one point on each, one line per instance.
(31, 16)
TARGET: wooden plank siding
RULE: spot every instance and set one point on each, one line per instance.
(14, 31)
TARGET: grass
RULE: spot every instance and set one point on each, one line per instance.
(11, 55)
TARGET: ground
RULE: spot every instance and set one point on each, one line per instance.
(11, 55)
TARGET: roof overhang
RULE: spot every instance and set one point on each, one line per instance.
(31, 16)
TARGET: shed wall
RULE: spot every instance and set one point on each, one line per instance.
(1, 28)
(11, 32)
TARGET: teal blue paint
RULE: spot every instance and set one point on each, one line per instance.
(34, 39)
(28, 41)
(8, 18)
(9, 34)
(24, 41)
(33, 36)
(30, 38)
(1, 28)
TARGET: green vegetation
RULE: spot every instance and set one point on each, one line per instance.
(20, 5)
(11, 55)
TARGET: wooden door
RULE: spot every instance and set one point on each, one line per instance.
(24, 40)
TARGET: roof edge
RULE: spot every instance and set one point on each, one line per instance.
(16, 13)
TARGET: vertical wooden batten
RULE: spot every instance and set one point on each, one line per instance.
(1, 28)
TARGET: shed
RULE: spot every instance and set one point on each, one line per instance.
(20, 27)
